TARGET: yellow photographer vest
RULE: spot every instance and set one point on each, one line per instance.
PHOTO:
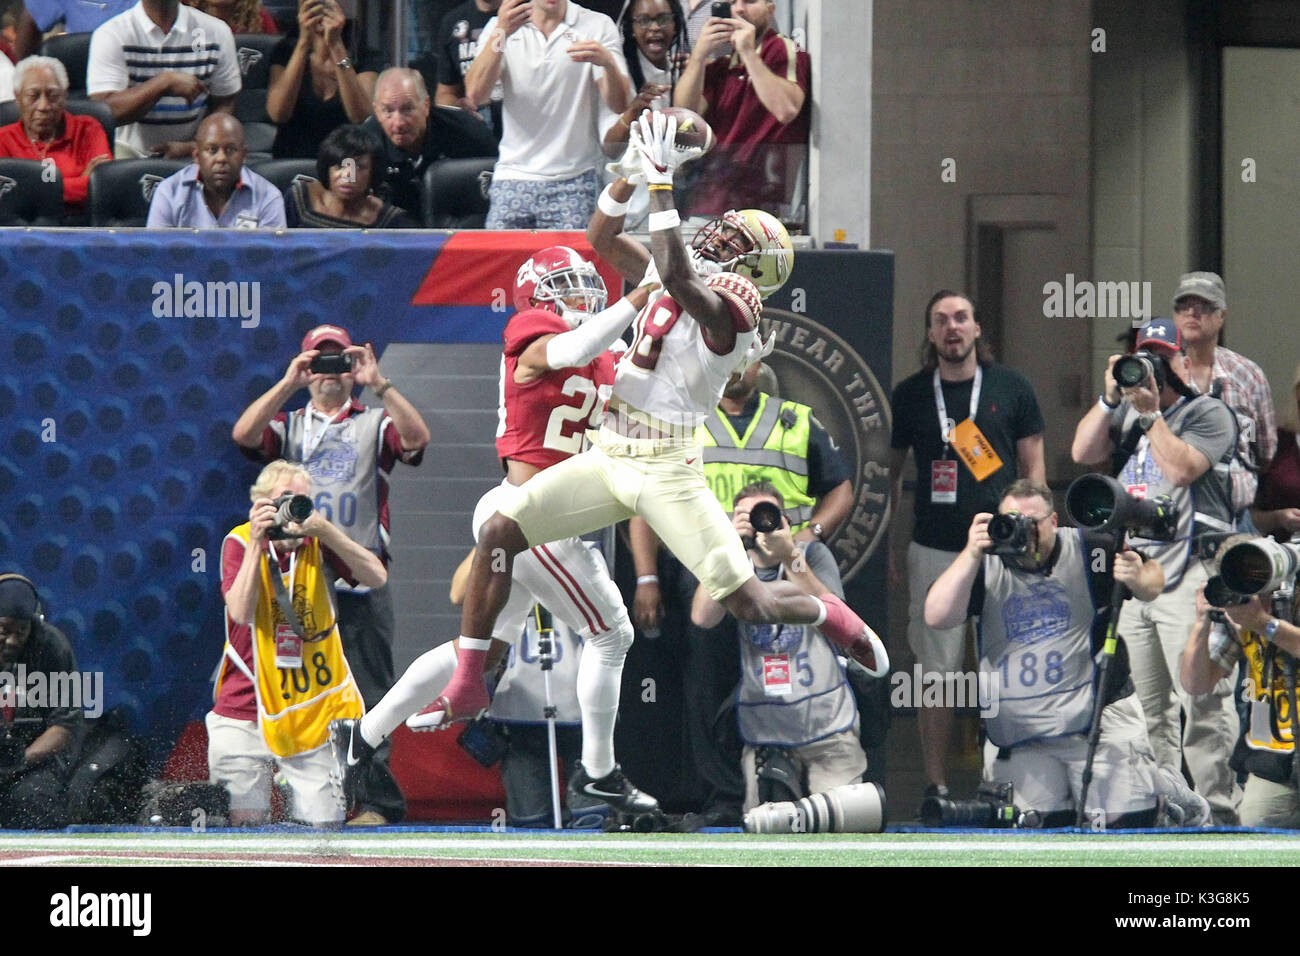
(295, 705)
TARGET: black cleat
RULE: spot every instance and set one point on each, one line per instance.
(615, 790)
(351, 755)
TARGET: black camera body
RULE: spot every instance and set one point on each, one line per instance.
(765, 518)
(289, 508)
(1012, 534)
(1132, 370)
(1218, 594)
(332, 363)
(993, 807)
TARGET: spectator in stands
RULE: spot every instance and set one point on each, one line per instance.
(697, 13)
(242, 16)
(77, 16)
(556, 91)
(249, 728)
(348, 169)
(756, 100)
(6, 79)
(315, 87)
(1200, 305)
(9, 30)
(46, 130)
(457, 43)
(1277, 508)
(416, 136)
(215, 191)
(40, 739)
(161, 68)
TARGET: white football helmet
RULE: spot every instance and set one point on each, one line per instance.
(553, 276)
(751, 243)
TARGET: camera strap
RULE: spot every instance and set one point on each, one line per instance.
(281, 594)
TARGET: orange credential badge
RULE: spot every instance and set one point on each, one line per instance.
(975, 450)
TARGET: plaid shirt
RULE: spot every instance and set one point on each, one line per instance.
(1242, 386)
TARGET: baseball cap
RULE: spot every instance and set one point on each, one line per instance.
(326, 333)
(1207, 285)
(1160, 332)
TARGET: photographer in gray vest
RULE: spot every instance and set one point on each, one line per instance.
(1042, 595)
(1173, 441)
(797, 716)
(349, 451)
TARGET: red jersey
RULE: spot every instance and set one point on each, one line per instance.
(545, 421)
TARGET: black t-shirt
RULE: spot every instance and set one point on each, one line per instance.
(47, 652)
(456, 45)
(826, 468)
(313, 118)
(452, 133)
(1008, 411)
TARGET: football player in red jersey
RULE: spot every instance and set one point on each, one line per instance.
(686, 344)
(556, 374)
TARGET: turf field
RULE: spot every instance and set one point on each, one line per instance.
(466, 847)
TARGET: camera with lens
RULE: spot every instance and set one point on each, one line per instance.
(332, 363)
(1259, 566)
(1218, 594)
(765, 518)
(993, 807)
(289, 508)
(1011, 533)
(1100, 503)
(1131, 371)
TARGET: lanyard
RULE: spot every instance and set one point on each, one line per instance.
(309, 416)
(275, 562)
(944, 427)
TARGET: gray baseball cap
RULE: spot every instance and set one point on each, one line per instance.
(1207, 285)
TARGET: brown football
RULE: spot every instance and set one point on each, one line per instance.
(692, 131)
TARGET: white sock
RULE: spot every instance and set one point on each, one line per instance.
(821, 611)
(599, 683)
(422, 682)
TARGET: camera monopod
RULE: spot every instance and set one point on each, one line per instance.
(546, 660)
(1118, 594)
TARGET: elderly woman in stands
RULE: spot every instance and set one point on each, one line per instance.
(315, 87)
(350, 167)
(242, 16)
(47, 131)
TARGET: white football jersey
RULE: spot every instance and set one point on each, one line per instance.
(670, 372)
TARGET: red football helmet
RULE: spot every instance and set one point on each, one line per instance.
(553, 276)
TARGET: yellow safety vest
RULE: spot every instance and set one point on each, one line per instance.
(295, 706)
(774, 448)
(1269, 726)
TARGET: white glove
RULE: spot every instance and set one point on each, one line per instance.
(651, 276)
(628, 166)
(757, 351)
(652, 135)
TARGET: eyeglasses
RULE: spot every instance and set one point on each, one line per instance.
(661, 20)
(1196, 306)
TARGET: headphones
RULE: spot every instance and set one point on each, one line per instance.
(38, 614)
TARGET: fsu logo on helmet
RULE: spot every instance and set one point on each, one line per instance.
(751, 243)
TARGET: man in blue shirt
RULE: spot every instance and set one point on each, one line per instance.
(215, 191)
(77, 16)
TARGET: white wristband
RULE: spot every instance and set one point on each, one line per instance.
(1105, 406)
(648, 579)
(609, 205)
(664, 219)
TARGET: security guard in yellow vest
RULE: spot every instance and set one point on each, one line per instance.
(1266, 747)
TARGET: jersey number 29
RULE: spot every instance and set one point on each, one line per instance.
(570, 440)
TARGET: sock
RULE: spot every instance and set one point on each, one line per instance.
(467, 681)
(427, 675)
(821, 612)
(599, 682)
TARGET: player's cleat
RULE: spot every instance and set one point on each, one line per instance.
(352, 755)
(616, 790)
(443, 712)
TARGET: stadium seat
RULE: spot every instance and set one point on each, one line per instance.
(28, 196)
(101, 112)
(454, 193)
(254, 51)
(259, 131)
(282, 172)
(72, 50)
(120, 191)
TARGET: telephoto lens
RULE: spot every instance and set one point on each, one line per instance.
(765, 517)
(289, 508)
(1132, 370)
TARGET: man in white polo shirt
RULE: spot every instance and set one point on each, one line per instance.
(564, 79)
(161, 67)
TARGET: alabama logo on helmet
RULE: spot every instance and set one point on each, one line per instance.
(553, 278)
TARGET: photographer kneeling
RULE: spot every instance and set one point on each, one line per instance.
(1042, 598)
(796, 711)
(283, 676)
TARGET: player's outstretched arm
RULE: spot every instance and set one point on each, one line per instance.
(605, 230)
(579, 346)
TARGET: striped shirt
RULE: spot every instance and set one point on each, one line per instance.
(1244, 389)
(131, 49)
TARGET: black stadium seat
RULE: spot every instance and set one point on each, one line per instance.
(259, 131)
(254, 51)
(455, 193)
(28, 195)
(120, 191)
(101, 112)
(282, 172)
(72, 50)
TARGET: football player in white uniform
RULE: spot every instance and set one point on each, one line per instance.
(687, 342)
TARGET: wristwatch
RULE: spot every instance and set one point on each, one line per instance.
(344, 64)
(817, 530)
(379, 392)
(1270, 629)
(1146, 420)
